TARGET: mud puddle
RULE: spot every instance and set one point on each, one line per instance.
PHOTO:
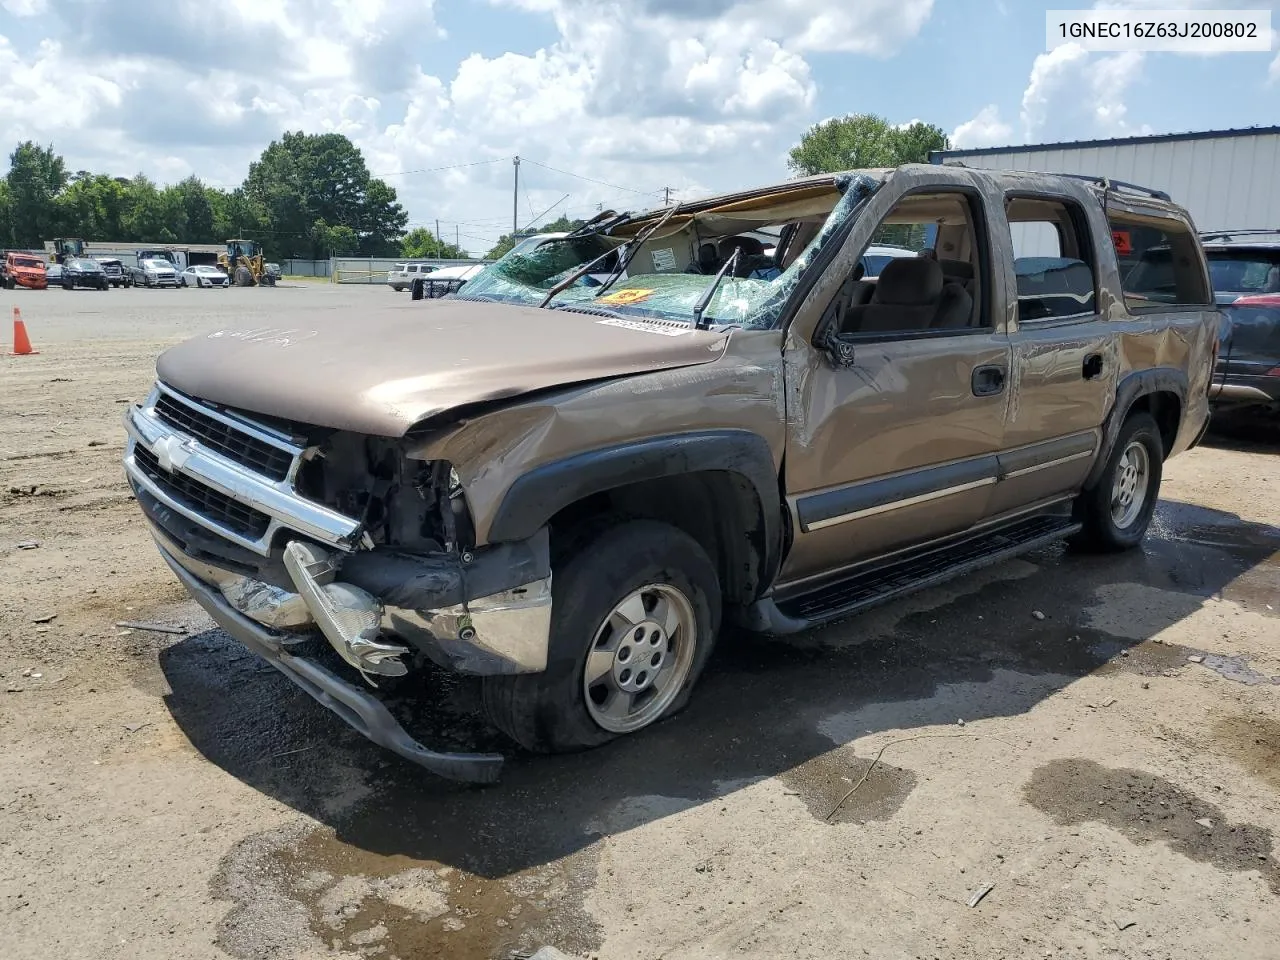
(1147, 808)
(824, 784)
(1254, 743)
(1235, 668)
(297, 889)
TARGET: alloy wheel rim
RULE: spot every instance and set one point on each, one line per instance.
(1129, 487)
(640, 658)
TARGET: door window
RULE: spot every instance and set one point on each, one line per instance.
(935, 283)
(1053, 262)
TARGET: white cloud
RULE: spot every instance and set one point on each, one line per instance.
(986, 129)
(640, 94)
(1080, 95)
(24, 8)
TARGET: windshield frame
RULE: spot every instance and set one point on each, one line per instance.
(748, 302)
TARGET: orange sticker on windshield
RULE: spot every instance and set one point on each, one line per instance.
(623, 297)
(1124, 246)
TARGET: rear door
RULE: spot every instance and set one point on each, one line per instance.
(1064, 366)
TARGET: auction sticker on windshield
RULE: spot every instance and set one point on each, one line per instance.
(664, 260)
(624, 297)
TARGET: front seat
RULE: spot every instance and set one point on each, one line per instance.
(749, 259)
(907, 297)
(959, 292)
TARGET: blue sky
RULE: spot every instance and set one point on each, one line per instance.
(620, 97)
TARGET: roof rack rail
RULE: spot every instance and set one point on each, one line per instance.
(1108, 184)
(1232, 234)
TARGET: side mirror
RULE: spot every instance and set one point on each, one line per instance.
(838, 350)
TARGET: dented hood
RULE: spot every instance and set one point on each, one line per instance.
(380, 371)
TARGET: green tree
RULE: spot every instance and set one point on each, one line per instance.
(420, 243)
(863, 140)
(149, 216)
(93, 206)
(36, 176)
(197, 211)
(332, 241)
(236, 215)
(6, 209)
(302, 179)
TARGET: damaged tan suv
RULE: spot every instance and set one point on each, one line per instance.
(565, 478)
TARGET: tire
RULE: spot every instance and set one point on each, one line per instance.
(243, 277)
(1112, 521)
(550, 712)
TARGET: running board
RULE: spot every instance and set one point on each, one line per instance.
(865, 588)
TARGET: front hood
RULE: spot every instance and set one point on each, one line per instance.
(381, 371)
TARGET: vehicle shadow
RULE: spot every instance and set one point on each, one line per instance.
(765, 707)
(1248, 430)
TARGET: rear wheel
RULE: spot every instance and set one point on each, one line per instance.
(243, 277)
(634, 616)
(1117, 511)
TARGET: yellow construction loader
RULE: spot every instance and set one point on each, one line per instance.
(244, 264)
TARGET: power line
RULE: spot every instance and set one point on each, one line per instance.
(449, 166)
(603, 183)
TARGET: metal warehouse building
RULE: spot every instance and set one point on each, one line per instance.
(1225, 178)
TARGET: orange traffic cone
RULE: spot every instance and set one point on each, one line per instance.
(21, 342)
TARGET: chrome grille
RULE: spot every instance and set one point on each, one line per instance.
(258, 455)
(209, 503)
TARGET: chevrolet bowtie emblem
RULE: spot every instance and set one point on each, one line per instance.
(171, 453)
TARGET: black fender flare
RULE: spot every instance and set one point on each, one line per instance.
(541, 493)
(1132, 386)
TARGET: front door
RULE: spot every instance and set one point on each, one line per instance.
(896, 443)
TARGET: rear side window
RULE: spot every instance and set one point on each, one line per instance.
(1053, 262)
(1160, 264)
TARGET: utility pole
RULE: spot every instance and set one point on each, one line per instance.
(457, 237)
(666, 200)
(439, 242)
(515, 197)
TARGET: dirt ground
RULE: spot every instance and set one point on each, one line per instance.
(1093, 742)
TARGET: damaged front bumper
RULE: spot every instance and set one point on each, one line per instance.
(363, 711)
(482, 612)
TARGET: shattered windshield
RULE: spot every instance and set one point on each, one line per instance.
(671, 272)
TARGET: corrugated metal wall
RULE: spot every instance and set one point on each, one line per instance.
(1228, 181)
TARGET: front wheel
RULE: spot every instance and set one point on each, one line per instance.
(634, 615)
(1117, 511)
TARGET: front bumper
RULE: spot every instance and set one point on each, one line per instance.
(361, 710)
(37, 281)
(485, 612)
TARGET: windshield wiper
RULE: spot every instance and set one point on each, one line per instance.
(633, 248)
(569, 281)
(707, 294)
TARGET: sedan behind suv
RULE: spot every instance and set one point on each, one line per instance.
(82, 272)
(1244, 266)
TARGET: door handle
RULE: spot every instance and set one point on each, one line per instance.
(1092, 367)
(988, 380)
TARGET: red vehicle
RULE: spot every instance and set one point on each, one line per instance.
(23, 270)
